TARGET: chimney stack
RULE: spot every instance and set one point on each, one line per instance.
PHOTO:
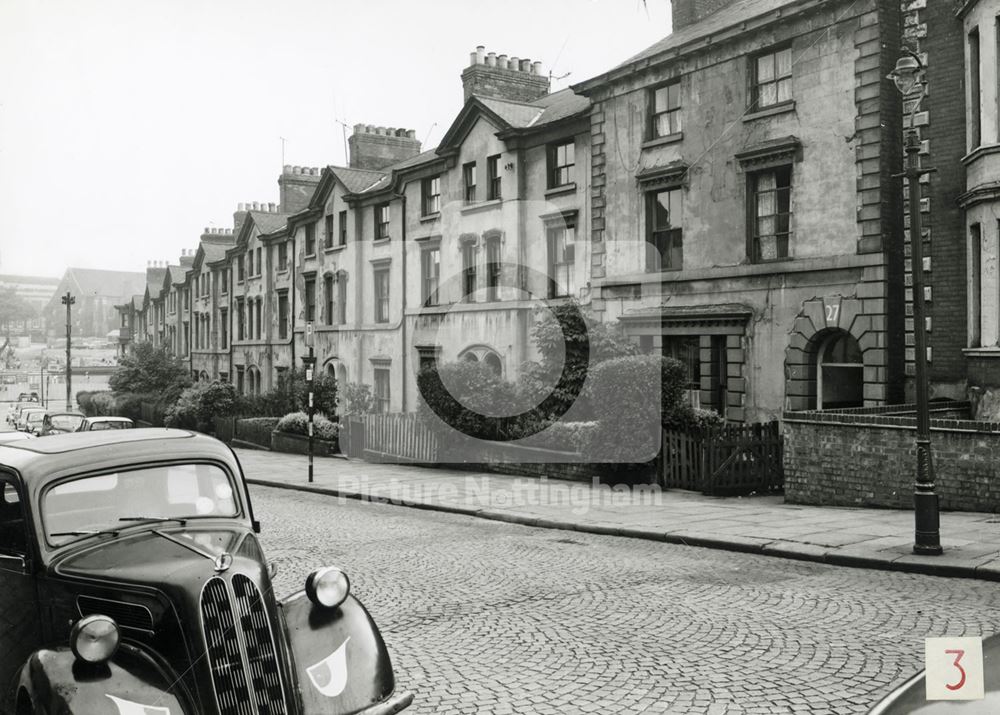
(688, 12)
(296, 186)
(375, 148)
(496, 76)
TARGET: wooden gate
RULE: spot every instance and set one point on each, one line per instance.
(731, 459)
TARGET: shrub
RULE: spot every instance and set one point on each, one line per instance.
(294, 423)
(290, 394)
(102, 404)
(473, 398)
(565, 436)
(84, 399)
(298, 423)
(630, 422)
(325, 429)
(185, 413)
(129, 405)
(706, 418)
(150, 370)
(256, 430)
(358, 398)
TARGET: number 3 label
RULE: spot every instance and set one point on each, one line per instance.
(954, 668)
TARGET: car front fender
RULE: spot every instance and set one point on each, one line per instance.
(340, 660)
(56, 683)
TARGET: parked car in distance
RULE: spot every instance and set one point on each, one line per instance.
(15, 412)
(134, 582)
(26, 414)
(60, 423)
(911, 696)
(91, 424)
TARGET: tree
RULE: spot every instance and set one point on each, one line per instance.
(570, 343)
(13, 308)
(150, 370)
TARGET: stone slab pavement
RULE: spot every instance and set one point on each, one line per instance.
(861, 537)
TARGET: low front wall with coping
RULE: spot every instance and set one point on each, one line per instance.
(867, 457)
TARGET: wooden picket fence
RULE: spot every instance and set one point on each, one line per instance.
(730, 459)
(396, 438)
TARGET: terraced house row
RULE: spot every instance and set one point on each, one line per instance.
(727, 194)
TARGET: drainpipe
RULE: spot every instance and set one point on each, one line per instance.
(402, 323)
(522, 257)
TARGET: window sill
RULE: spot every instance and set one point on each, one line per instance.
(281, 271)
(381, 241)
(979, 152)
(481, 206)
(569, 188)
(660, 141)
(335, 249)
(426, 218)
(773, 110)
(993, 352)
(309, 255)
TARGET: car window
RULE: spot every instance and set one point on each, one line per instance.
(12, 532)
(65, 422)
(101, 502)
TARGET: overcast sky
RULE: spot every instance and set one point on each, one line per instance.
(126, 126)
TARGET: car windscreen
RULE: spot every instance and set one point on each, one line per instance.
(68, 423)
(117, 500)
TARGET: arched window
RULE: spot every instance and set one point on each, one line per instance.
(253, 381)
(484, 354)
(840, 373)
(492, 361)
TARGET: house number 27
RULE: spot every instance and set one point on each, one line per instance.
(832, 311)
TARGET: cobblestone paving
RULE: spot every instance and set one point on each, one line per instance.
(487, 617)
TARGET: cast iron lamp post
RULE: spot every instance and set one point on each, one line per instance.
(309, 362)
(68, 300)
(909, 76)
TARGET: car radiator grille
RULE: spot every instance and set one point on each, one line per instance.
(241, 649)
(261, 658)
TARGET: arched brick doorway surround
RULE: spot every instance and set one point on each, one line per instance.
(819, 319)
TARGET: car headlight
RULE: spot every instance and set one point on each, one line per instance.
(94, 639)
(328, 587)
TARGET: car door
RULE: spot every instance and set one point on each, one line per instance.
(20, 629)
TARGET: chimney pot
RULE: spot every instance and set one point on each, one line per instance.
(491, 59)
(502, 62)
(288, 168)
(369, 129)
(480, 54)
(256, 206)
(272, 208)
(359, 128)
(411, 133)
(526, 65)
(537, 68)
(514, 64)
(472, 59)
(207, 230)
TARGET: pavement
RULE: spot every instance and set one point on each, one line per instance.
(858, 537)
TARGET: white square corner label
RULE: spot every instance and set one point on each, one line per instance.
(954, 668)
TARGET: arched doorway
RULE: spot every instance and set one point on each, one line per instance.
(839, 372)
(485, 355)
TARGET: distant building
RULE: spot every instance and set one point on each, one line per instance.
(38, 291)
(97, 292)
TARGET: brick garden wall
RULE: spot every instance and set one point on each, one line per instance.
(867, 458)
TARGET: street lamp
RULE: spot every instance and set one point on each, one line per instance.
(908, 76)
(68, 300)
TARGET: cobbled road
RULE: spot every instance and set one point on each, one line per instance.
(488, 617)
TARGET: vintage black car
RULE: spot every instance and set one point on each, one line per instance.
(132, 581)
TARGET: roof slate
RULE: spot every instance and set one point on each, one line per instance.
(734, 14)
(112, 284)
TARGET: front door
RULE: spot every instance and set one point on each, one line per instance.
(20, 632)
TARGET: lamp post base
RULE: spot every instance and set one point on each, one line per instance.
(927, 539)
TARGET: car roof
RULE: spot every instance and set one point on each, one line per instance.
(109, 418)
(55, 413)
(40, 461)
